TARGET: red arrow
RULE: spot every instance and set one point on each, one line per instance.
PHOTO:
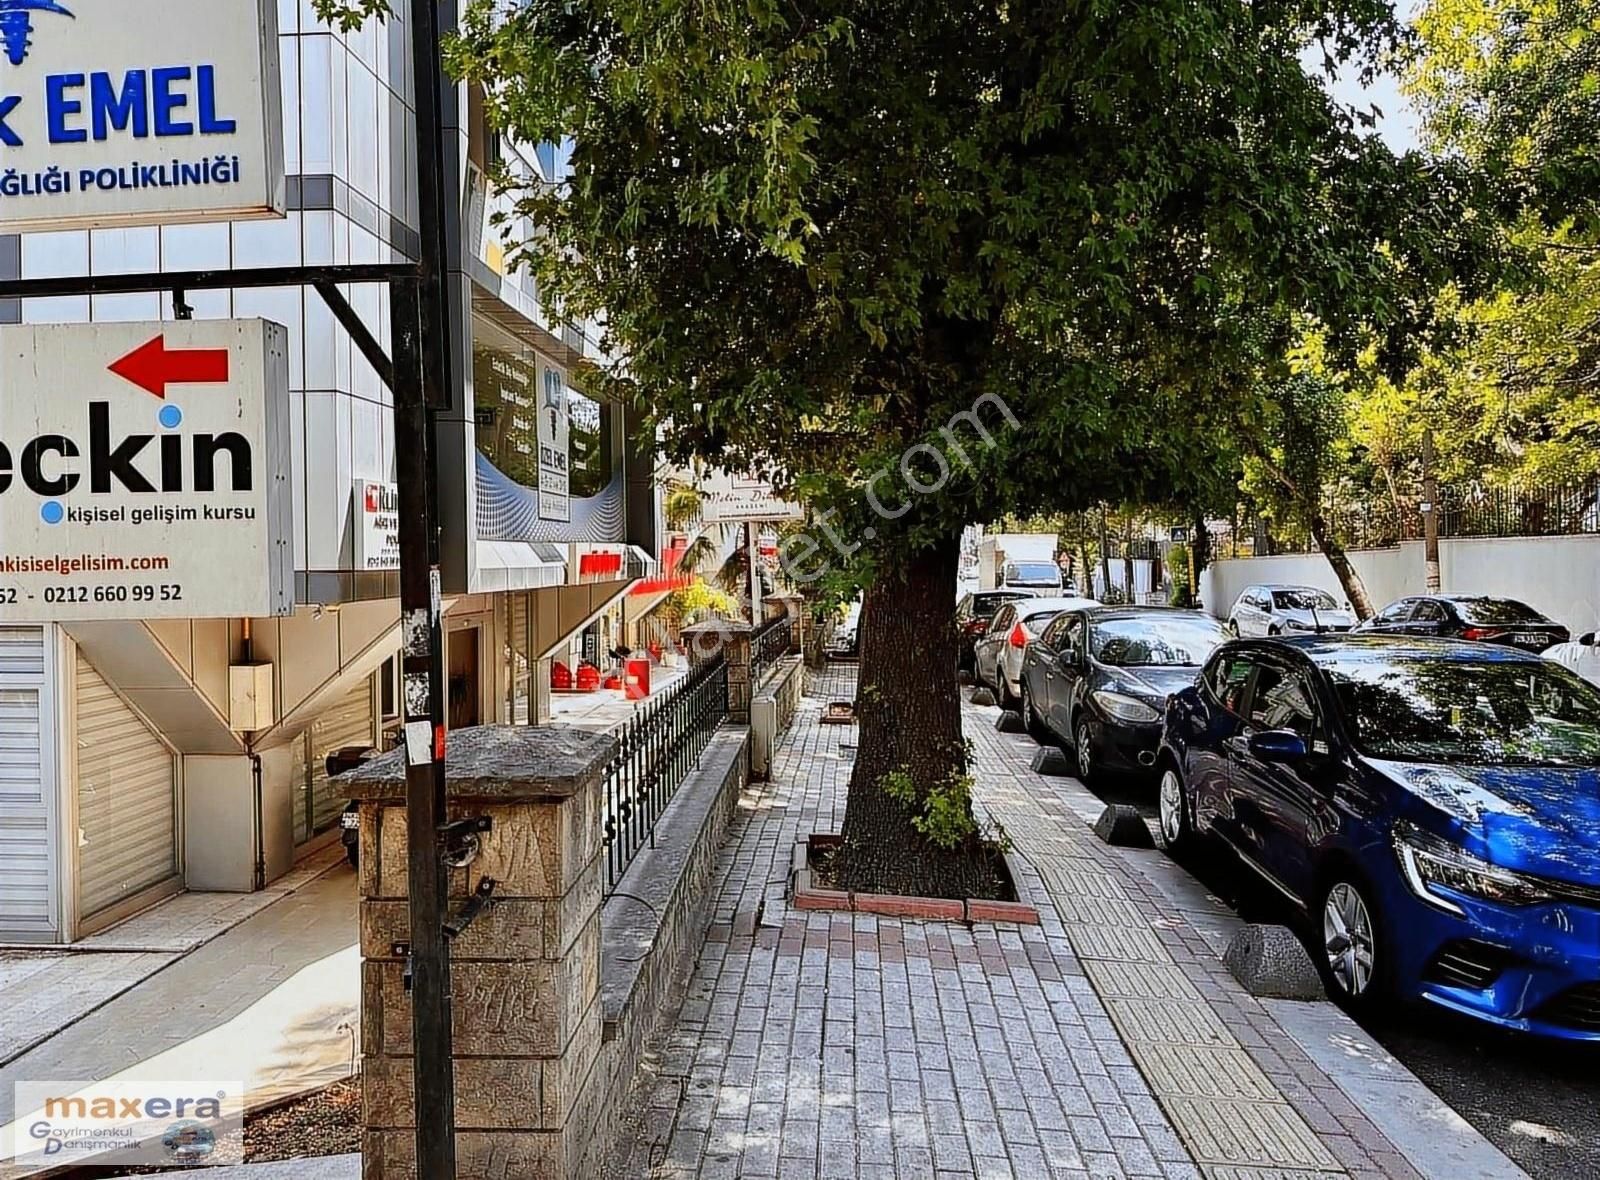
(152, 367)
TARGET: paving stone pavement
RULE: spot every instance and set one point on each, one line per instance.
(1106, 1042)
(1244, 1097)
(43, 991)
(273, 1004)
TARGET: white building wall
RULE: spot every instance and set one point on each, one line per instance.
(1557, 575)
(348, 130)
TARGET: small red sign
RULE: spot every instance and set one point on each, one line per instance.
(599, 563)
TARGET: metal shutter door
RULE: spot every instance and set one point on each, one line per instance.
(27, 837)
(348, 722)
(127, 799)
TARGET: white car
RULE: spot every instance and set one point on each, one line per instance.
(997, 655)
(1582, 656)
(1284, 610)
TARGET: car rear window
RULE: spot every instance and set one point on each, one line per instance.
(985, 605)
(1496, 610)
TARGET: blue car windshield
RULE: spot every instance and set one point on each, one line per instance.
(1507, 712)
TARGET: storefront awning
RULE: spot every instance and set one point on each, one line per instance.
(640, 563)
(519, 565)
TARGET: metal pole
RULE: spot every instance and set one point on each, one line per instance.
(1430, 514)
(421, 325)
(423, 690)
(755, 576)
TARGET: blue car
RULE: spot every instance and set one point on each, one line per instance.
(1432, 806)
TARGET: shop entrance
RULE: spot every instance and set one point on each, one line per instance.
(462, 675)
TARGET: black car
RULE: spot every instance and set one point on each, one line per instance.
(1462, 616)
(1099, 680)
(973, 614)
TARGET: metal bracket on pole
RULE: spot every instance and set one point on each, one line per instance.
(458, 840)
(482, 898)
(359, 332)
(180, 305)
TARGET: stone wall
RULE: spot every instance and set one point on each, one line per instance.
(526, 1015)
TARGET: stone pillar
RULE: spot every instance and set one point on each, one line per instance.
(525, 975)
(793, 606)
(732, 639)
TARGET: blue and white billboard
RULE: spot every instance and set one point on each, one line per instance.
(138, 112)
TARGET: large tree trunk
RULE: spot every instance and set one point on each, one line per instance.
(1354, 588)
(909, 708)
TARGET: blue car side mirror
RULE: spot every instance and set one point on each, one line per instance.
(1278, 745)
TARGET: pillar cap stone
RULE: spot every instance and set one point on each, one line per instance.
(719, 627)
(497, 763)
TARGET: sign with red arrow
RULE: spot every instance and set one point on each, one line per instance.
(153, 366)
(175, 502)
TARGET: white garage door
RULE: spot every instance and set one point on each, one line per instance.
(349, 721)
(28, 909)
(127, 800)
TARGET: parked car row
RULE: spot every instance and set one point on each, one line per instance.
(1287, 610)
(1427, 798)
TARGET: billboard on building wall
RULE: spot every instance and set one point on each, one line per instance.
(377, 516)
(144, 471)
(138, 112)
(555, 451)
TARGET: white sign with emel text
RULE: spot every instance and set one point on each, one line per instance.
(138, 112)
(144, 471)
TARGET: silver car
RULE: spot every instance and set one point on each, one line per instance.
(997, 654)
(1284, 610)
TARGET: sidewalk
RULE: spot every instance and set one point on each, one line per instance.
(273, 1002)
(1107, 1042)
(607, 708)
(45, 989)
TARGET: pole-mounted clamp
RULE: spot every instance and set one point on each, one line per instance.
(482, 898)
(460, 840)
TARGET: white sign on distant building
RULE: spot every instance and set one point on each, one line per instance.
(748, 499)
(144, 471)
(377, 525)
(555, 451)
(138, 112)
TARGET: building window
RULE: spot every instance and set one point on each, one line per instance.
(508, 381)
(389, 689)
(518, 626)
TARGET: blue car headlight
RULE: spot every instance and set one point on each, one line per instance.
(1428, 862)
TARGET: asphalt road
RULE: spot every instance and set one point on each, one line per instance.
(1537, 1101)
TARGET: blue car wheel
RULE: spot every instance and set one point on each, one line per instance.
(1353, 962)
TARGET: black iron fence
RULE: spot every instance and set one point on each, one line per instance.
(657, 748)
(1525, 510)
(769, 643)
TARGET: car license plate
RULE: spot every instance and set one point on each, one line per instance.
(350, 819)
(1529, 640)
